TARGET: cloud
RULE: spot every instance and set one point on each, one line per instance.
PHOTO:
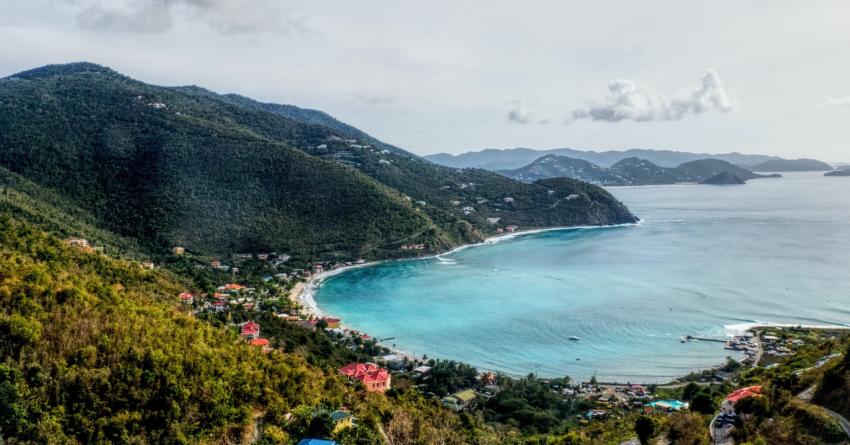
(838, 101)
(521, 113)
(158, 16)
(629, 100)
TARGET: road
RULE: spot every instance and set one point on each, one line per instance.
(722, 436)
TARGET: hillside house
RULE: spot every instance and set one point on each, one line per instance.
(508, 200)
(219, 306)
(148, 265)
(261, 343)
(215, 264)
(177, 250)
(375, 378)
(318, 268)
(186, 297)
(493, 220)
(572, 197)
(459, 401)
(333, 323)
(342, 419)
(250, 330)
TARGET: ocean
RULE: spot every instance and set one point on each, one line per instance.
(704, 261)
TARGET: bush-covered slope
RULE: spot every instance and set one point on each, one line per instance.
(92, 352)
(217, 174)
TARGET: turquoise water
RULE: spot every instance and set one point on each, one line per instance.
(703, 259)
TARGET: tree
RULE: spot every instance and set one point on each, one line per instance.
(320, 426)
(703, 403)
(690, 390)
(644, 428)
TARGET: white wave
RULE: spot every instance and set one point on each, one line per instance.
(740, 328)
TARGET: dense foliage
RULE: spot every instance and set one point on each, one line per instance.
(220, 174)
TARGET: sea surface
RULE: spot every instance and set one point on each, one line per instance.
(705, 261)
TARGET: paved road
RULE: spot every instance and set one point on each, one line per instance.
(721, 435)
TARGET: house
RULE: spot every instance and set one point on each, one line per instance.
(147, 265)
(261, 343)
(360, 261)
(468, 209)
(318, 268)
(262, 256)
(284, 257)
(511, 229)
(215, 264)
(219, 306)
(342, 419)
(572, 197)
(421, 371)
(493, 220)
(178, 250)
(459, 400)
(157, 105)
(333, 323)
(375, 378)
(186, 297)
(232, 287)
(384, 161)
(250, 330)
(744, 393)
(78, 242)
(596, 414)
(508, 200)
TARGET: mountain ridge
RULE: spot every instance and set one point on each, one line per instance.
(221, 173)
(628, 171)
(513, 158)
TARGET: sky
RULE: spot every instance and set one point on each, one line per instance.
(769, 77)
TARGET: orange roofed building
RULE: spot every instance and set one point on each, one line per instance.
(375, 378)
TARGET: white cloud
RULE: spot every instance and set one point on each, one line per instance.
(838, 101)
(157, 16)
(521, 113)
(629, 100)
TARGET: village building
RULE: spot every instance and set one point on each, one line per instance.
(215, 264)
(186, 297)
(459, 401)
(342, 419)
(333, 323)
(375, 378)
(250, 330)
(508, 200)
(261, 343)
(78, 242)
(219, 306)
(148, 265)
(178, 250)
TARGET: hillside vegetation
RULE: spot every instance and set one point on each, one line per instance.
(220, 174)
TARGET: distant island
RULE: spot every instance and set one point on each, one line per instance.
(514, 158)
(842, 172)
(791, 165)
(629, 171)
(724, 178)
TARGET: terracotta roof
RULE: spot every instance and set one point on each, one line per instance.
(259, 342)
(186, 296)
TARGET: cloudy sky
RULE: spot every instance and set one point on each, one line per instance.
(755, 77)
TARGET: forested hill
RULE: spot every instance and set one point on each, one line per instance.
(217, 174)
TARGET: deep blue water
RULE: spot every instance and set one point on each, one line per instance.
(704, 258)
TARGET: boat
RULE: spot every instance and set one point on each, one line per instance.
(574, 338)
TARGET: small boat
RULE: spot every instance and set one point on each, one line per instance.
(574, 338)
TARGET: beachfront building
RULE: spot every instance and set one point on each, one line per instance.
(375, 378)
(459, 401)
(332, 323)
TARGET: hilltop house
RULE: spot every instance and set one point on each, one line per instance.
(376, 379)
(250, 330)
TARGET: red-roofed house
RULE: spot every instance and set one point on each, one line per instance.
(186, 297)
(251, 330)
(375, 378)
(233, 286)
(261, 342)
(333, 323)
(219, 306)
(318, 268)
(743, 393)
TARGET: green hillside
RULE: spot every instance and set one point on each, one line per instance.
(218, 174)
